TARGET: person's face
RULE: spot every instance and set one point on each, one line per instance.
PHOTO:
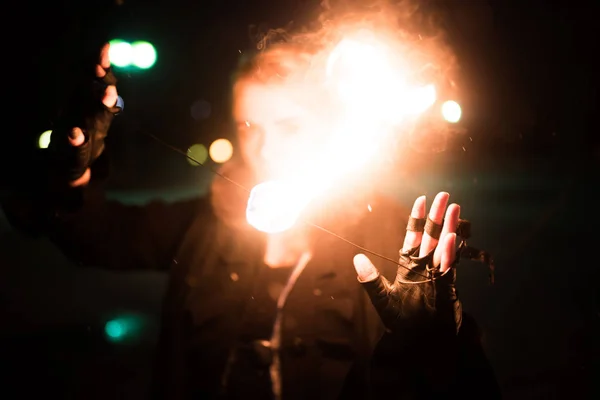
(279, 128)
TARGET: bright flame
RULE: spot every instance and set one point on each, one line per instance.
(370, 82)
(451, 111)
(274, 206)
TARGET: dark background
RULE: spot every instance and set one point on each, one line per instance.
(526, 174)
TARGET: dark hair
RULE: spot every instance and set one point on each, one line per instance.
(278, 52)
(277, 55)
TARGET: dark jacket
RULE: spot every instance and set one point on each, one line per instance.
(217, 308)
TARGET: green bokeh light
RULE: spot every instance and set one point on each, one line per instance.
(139, 54)
(124, 328)
(199, 153)
(115, 329)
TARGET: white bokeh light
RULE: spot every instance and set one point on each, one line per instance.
(143, 54)
(451, 111)
(120, 53)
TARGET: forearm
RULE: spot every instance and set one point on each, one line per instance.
(93, 231)
(476, 377)
(433, 365)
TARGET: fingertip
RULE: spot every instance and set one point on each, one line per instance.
(360, 259)
(443, 196)
(419, 207)
(364, 268)
(104, 56)
(100, 72)
(110, 96)
(453, 209)
(76, 137)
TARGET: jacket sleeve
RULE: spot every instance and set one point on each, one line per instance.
(93, 231)
(475, 377)
(427, 368)
(439, 370)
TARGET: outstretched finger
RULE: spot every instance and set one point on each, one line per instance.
(103, 61)
(450, 225)
(378, 288)
(104, 56)
(110, 97)
(433, 226)
(416, 224)
(448, 253)
(364, 268)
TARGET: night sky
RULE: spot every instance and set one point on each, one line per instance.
(526, 175)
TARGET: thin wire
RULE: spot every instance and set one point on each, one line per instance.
(361, 248)
(183, 153)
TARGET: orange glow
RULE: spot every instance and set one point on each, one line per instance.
(372, 94)
(451, 111)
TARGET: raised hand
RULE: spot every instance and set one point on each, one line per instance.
(423, 294)
(79, 139)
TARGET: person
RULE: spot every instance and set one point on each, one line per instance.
(249, 314)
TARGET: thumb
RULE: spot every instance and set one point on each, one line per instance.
(377, 286)
(364, 268)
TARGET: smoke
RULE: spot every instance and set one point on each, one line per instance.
(415, 29)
